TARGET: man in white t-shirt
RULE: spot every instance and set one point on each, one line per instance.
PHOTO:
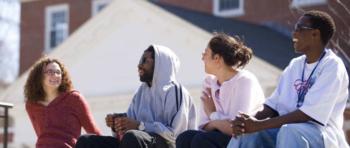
(306, 109)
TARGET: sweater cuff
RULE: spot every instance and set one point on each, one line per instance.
(214, 116)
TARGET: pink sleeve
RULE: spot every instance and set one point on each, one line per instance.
(203, 118)
(248, 98)
(86, 117)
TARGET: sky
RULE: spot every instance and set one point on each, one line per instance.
(9, 40)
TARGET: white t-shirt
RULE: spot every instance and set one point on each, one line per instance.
(241, 93)
(325, 100)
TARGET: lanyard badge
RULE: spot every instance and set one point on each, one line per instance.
(305, 86)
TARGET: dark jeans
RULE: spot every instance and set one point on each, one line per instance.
(200, 139)
(131, 139)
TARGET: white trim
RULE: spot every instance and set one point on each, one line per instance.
(228, 13)
(48, 18)
(301, 3)
(96, 4)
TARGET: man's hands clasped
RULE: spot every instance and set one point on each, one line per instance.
(121, 124)
(244, 124)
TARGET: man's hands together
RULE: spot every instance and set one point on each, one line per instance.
(121, 124)
(244, 124)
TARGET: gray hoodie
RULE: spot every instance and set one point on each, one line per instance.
(166, 108)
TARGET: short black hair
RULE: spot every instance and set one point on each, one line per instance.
(151, 49)
(231, 49)
(322, 21)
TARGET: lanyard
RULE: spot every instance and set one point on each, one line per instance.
(305, 87)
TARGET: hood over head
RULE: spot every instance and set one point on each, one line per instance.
(166, 65)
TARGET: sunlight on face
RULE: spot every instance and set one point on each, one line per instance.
(146, 67)
(52, 76)
(302, 35)
(208, 60)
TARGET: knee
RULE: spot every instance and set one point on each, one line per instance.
(130, 135)
(299, 135)
(199, 140)
(83, 141)
(249, 140)
(185, 138)
(289, 131)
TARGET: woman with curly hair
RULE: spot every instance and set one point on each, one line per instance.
(56, 111)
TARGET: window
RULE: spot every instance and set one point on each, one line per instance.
(228, 8)
(98, 5)
(298, 3)
(56, 26)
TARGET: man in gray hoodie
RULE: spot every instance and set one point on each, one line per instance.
(160, 110)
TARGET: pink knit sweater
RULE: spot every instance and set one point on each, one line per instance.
(58, 125)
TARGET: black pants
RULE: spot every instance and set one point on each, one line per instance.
(131, 139)
(200, 139)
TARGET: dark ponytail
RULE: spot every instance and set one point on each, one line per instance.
(231, 49)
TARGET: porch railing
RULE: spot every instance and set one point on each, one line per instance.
(6, 107)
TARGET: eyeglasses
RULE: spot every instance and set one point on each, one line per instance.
(51, 72)
(301, 27)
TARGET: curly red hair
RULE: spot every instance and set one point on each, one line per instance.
(34, 90)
